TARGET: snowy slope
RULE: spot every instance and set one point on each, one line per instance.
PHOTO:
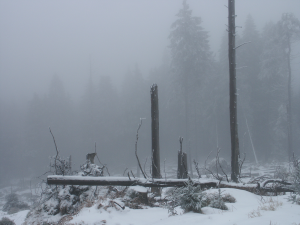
(248, 209)
(239, 213)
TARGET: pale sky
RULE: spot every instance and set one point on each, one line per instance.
(42, 38)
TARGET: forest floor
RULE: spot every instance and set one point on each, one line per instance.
(249, 208)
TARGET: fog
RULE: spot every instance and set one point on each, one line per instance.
(84, 68)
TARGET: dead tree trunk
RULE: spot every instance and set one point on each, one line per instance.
(289, 106)
(161, 183)
(155, 135)
(125, 181)
(233, 92)
(182, 162)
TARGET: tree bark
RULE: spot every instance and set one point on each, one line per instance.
(233, 92)
(155, 135)
(125, 181)
(289, 106)
(182, 169)
(161, 183)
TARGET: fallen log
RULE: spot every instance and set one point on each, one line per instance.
(257, 188)
(125, 181)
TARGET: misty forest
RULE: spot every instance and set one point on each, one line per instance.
(76, 97)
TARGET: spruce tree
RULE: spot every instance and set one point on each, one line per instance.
(191, 62)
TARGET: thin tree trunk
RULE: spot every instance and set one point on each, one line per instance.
(155, 135)
(233, 92)
(289, 107)
(187, 124)
(182, 162)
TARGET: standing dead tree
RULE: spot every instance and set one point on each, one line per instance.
(155, 135)
(233, 92)
(182, 171)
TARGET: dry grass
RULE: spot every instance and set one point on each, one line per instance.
(269, 204)
(254, 213)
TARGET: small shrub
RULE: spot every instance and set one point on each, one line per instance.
(13, 204)
(217, 201)
(136, 200)
(90, 169)
(61, 166)
(6, 221)
(294, 198)
(189, 198)
(228, 198)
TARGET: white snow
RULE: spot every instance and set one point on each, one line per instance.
(249, 209)
(18, 218)
(238, 213)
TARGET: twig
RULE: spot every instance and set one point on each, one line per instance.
(145, 166)
(197, 169)
(137, 138)
(132, 173)
(125, 171)
(242, 44)
(220, 165)
(128, 176)
(55, 149)
(122, 207)
(165, 169)
(241, 164)
(104, 165)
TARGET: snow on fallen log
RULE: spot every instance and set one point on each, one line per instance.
(125, 181)
(259, 188)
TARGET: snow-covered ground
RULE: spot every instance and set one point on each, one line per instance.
(248, 209)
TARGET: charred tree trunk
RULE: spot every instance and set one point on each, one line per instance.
(233, 92)
(155, 135)
(182, 170)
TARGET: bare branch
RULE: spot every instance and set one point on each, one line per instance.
(104, 165)
(165, 169)
(125, 171)
(137, 138)
(145, 166)
(241, 164)
(56, 150)
(197, 169)
(242, 44)
(132, 173)
(128, 176)
(220, 165)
